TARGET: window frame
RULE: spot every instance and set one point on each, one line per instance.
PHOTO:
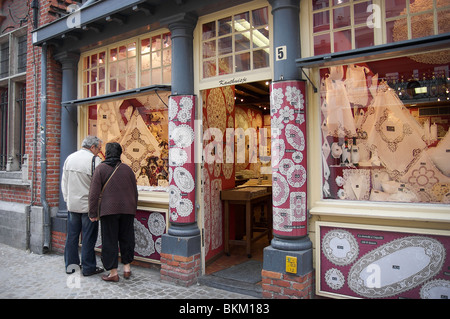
(236, 77)
(380, 33)
(15, 118)
(331, 209)
(107, 64)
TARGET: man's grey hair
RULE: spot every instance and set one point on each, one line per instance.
(91, 140)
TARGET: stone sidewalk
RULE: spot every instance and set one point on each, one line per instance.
(26, 275)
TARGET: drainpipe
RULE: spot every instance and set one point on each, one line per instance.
(43, 137)
(35, 7)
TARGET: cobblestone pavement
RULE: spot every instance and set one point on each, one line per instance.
(25, 275)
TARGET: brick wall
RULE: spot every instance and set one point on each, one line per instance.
(284, 286)
(13, 14)
(58, 242)
(183, 271)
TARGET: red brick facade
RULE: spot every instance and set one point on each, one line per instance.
(183, 271)
(284, 286)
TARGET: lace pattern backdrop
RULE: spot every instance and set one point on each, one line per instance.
(181, 158)
(140, 125)
(149, 226)
(360, 262)
(288, 127)
(218, 173)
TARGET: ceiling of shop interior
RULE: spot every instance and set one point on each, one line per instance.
(255, 95)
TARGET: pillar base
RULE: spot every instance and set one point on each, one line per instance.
(183, 230)
(277, 283)
(291, 244)
(180, 259)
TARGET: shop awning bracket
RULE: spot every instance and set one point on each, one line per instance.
(314, 87)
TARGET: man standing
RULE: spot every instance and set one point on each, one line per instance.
(76, 180)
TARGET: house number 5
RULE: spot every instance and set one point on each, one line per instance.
(281, 53)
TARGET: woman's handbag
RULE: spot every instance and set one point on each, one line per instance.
(103, 188)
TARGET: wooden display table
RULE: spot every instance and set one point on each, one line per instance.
(247, 196)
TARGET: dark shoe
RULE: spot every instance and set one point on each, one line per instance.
(110, 278)
(127, 274)
(96, 271)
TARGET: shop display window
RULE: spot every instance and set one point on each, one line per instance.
(235, 43)
(140, 125)
(385, 130)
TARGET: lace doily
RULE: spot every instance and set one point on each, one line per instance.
(298, 206)
(278, 149)
(296, 176)
(144, 244)
(435, 289)
(177, 156)
(183, 136)
(340, 247)
(280, 189)
(174, 196)
(184, 207)
(183, 179)
(156, 224)
(281, 219)
(295, 137)
(334, 278)
(416, 259)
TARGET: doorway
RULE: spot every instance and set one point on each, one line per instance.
(236, 150)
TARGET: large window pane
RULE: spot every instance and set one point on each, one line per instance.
(225, 45)
(341, 17)
(242, 41)
(321, 21)
(322, 44)
(385, 130)
(363, 37)
(242, 62)
(342, 40)
(260, 17)
(395, 8)
(260, 59)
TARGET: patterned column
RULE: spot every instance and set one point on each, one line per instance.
(288, 130)
(181, 159)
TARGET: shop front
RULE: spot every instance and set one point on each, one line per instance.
(300, 136)
(380, 210)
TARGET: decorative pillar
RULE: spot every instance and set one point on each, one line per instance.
(287, 267)
(68, 137)
(180, 248)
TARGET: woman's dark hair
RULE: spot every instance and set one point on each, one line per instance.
(113, 150)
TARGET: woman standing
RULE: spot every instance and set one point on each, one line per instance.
(113, 198)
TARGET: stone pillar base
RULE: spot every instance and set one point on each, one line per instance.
(277, 283)
(180, 259)
(183, 271)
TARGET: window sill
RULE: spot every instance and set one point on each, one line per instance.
(13, 178)
(152, 199)
(380, 210)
